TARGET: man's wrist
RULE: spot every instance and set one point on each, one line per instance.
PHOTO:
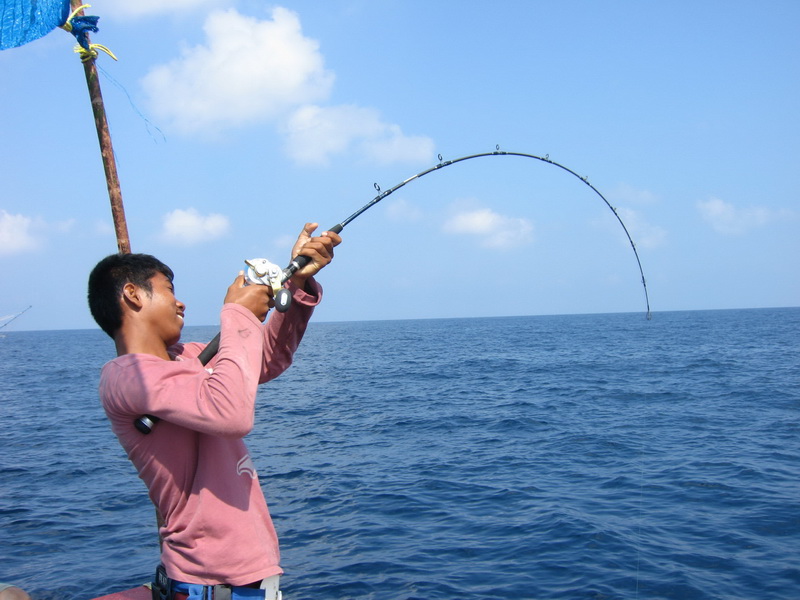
(300, 281)
(306, 284)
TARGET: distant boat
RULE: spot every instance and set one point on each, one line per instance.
(9, 318)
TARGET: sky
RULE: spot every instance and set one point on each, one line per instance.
(236, 121)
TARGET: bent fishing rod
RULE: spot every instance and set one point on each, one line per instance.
(261, 271)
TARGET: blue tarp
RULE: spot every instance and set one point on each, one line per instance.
(22, 21)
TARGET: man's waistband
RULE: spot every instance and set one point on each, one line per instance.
(165, 588)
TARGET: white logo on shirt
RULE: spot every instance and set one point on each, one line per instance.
(245, 465)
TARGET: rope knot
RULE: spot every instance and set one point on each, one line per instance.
(90, 53)
(80, 26)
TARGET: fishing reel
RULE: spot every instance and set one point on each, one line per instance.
(259, 272)
(262, 272)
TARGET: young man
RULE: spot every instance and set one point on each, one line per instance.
(217, 535)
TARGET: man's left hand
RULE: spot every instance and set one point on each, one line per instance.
(318, 249)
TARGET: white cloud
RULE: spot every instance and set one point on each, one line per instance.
(643, 233)
(493, 230)
(727, 219)
(284, 242)
(19, 233)
(402, 210)
(104, 228)
(249, 70)
(62, 226)
(188, 227)
(391, 145)
(16, 234)
(314, 133)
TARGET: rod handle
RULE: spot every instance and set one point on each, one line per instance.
(209, 351)
(298, 262)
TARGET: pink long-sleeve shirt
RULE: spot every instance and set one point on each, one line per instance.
(217, 528)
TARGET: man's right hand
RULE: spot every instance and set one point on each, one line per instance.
(255, 298)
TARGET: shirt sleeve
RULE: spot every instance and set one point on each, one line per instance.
(249, 354)
(221, 402)
(284, 331)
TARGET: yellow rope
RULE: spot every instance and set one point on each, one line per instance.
(68, 25)
(91, 53)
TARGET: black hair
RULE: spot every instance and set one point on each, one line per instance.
(108, 278)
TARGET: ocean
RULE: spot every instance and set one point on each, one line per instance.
(584, 456)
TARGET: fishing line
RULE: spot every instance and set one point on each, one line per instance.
(283, 297)
(149, 125)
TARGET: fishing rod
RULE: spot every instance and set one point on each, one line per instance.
(261, 271)
(14, 317)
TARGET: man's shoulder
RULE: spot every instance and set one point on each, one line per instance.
(136, 365)
(125, 361)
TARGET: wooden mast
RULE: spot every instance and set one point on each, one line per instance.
(106, 150)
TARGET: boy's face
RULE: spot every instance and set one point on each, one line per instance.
(164, 312)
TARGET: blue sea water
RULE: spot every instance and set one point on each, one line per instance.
(587, 456)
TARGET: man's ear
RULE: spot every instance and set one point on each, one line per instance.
(132, 295)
